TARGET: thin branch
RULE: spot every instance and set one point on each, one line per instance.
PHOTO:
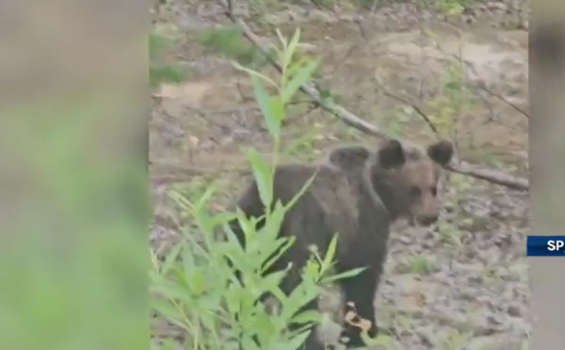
(408, 103)
(490, 175)
(483, 86)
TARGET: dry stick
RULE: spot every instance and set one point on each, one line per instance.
(186, 172)
(461, 167)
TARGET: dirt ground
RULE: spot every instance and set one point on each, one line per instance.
(460, 286)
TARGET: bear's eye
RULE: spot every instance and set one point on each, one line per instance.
(434, 191)
(415, 191)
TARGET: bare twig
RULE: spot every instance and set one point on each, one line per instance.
(483, 86)
(490, 175)
(408, 103)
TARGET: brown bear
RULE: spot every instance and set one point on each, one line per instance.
(356, 193)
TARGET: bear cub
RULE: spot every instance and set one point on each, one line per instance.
(357, 193)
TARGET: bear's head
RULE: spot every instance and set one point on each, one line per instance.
(406, 179)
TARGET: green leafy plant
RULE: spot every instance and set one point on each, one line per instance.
(195, 288)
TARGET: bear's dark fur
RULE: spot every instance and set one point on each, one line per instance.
(357, 193)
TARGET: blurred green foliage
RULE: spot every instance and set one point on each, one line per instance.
(73, 261)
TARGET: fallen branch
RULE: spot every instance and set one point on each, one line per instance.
(458, 166)
(176, 172)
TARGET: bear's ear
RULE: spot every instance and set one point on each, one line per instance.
(441, 152)
(391, 154)
(349, 157)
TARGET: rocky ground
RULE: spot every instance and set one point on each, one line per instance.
(462, 285)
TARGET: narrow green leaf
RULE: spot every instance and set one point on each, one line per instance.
(308, 316)
(249, 343)
(345, 274)
(248, 226)
(330, 253)
(197, 282)
(300, 296)
(180, 200)
(301, 192)
(290, 50)
(166, 309)
(188, 262)
(295, 65)
(255, 74)
(222, 218)
(270, 109)
(205, 198)
(172, 290)
(278, 108)
(171, 259)
(288, 242)
(301, 76)
(282, 39)
(230, 235)
(274, 220)
(263, 176)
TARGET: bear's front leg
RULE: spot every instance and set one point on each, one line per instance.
(360, 290)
